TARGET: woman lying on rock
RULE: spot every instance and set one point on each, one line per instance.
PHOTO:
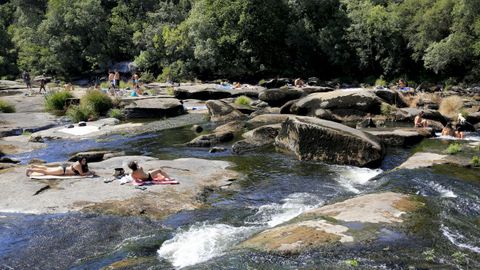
(154, 176)
(79, 168)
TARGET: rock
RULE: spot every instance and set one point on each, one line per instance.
(402, 136)
(220, 111)
(267, 110)
(9, 160)
(285, 109)
(221, 134)
(8, 85)
(409, 114)
(423, 160)
(82, 124)
(267, 119)
(276, 83)
(13, 124)
(326, 115)
(259, 104)
(201, 92)
(256, 139)
(113, 154)
(92, 156)
(5, 166)
(473, 118)
(342, 103)
(390, 96)
(154, 108)
(250, 91)
(217, 149)
(279, 96)
(325, 225)
(245, 109)
(315, 139)
(36, 161)
(197, 128)
(92, 195)
(316, 89)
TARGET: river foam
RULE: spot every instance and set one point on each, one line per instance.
(443, 191)
(458, 239)
(204, 241)
(352, 177)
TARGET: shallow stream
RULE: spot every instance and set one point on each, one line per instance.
(275, 188)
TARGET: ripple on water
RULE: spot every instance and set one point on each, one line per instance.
(352, 178)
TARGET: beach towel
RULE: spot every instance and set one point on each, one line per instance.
(154, 182)
(39, 176)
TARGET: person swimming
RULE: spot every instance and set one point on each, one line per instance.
(448, 130)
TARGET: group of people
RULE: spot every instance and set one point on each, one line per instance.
(454, 130)
(114, 79)
(80, 168)
(28, 82)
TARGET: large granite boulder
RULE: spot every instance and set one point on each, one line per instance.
(249, 91)
(278, 97)
(220, 111)
(202, 92)
(328, 225)
(311, 138)
(473, 118)
(267, 119)
(390, 96)
(257, 139)
(316, 89)
(409, 114)
(401, 136)
(154, 108)
(340, 102)
(221, 134)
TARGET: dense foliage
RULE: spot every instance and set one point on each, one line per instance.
(244, 39)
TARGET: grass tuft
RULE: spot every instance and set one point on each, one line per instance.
(243, 100)
(451, 106)
(6, 107)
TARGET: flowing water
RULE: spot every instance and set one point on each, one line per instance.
(275, 189)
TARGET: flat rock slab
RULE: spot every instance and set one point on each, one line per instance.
(18, 144)
(154, 108)
(27, 104)
(423, 160)
(202, 92)
(249, 91)
(401, 136)
(16, 123)
(327, 224)
(59, 196)
(6, 84)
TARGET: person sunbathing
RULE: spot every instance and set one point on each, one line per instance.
(79, 168)
(139, 175)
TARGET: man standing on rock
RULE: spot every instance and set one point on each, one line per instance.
(117, 79)
(26, 80)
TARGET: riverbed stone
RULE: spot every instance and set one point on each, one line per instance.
(346, 104)
(220, 111)
(401, 136)
(92, 156)
(154, 108)
(201, 92)
(257, 139)
(409, 114)
(267, 119)
(392, 97)
(93, 195)
(221, 134)
(249, 91)
(326, 225)
(316, 139)
(12, 124)
(280, 96)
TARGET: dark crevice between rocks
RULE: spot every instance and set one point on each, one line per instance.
(42, 189)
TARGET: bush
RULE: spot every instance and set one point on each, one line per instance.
(105, 84)
(98, 101)
(243, 100)
(55, 101)
(6, 107)
(475, 161)
(147, 77)
(80, 112)
(387, 109)
(381, 82)
(453, 148)
(116, 113)
(170, 91)
(451, 106)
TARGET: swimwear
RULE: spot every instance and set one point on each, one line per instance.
(75, 171)
(64, 167)
(149, 177)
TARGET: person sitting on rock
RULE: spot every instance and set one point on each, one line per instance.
(139, 175)
(448, 130)
(459, 130)
(79, 168)
(419, 121)
(299, 83)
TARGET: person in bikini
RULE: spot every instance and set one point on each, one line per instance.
(79, 168)
(139, 175)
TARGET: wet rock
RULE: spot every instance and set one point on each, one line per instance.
(324, 226)
(278, 97)
(154, 108)
(221, 134)
(390, 96)
(257, 139)
(402, 136)
(197, 128)
(217, 149)
(201, 92)
(315, 139)
(423, 160)
(340, 102)
(220, 111)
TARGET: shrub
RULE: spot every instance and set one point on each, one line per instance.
(170, 91)
(147, 77)
(98, 101)
(451, 106)
(124, 85)
(475, 161)
(453, 148)
(387, 109)
(6, 107)
(105, 84)
(116, 113)
(243, 100)
(80, 112)
(380, 82)
(55, 101)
